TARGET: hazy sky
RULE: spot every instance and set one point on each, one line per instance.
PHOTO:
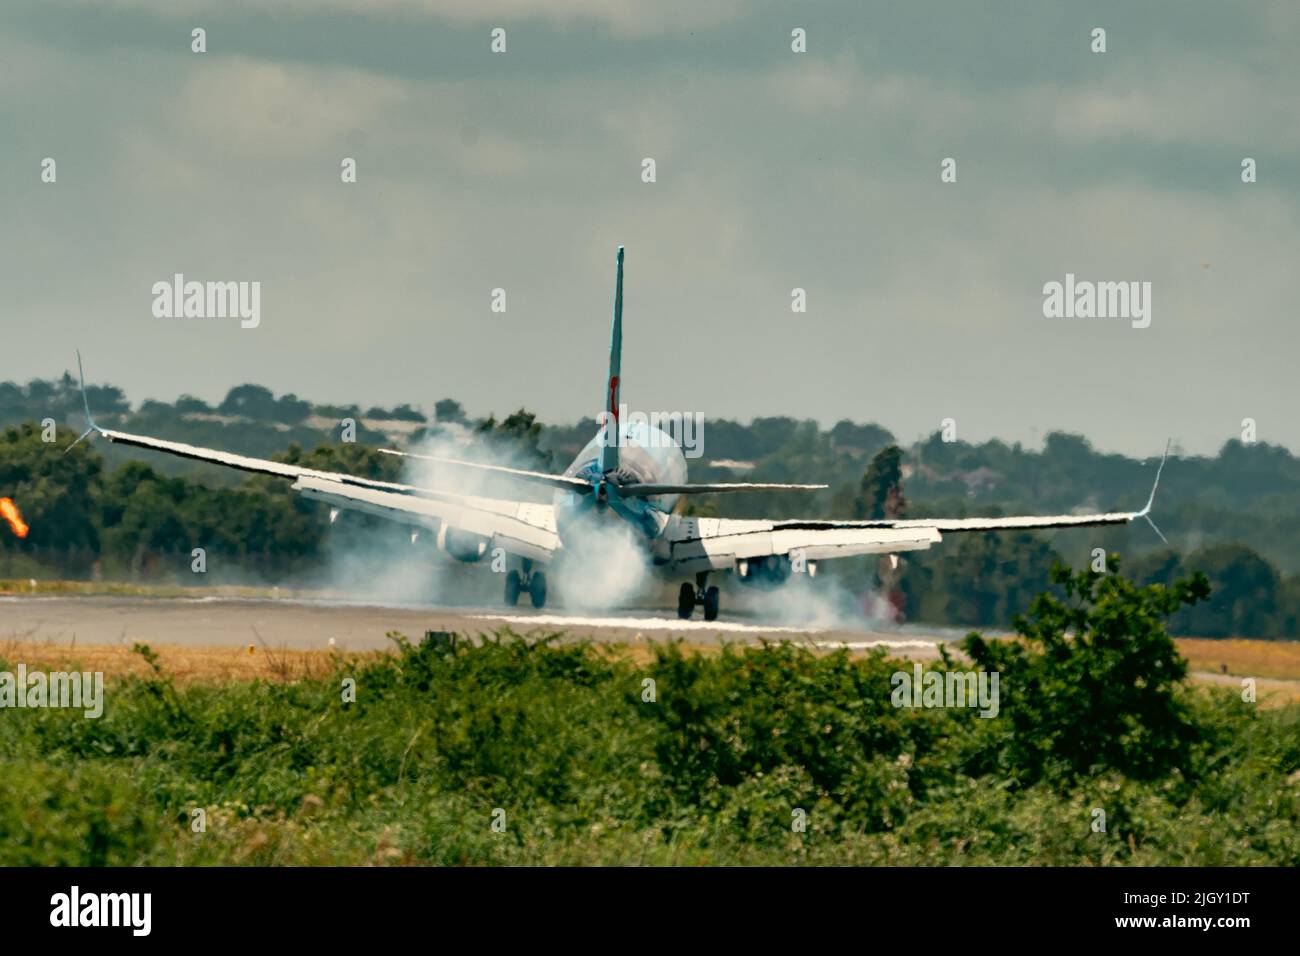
(775, 170)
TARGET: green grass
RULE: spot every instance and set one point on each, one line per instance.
(587, 772)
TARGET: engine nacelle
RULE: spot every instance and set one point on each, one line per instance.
(462, 545)
(766, 572)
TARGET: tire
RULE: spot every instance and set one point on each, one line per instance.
(711, 602)
(686, 601)
(513, 587)
(537, 589)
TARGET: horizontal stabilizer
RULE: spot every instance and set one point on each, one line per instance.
(646, 490)
(566, 482)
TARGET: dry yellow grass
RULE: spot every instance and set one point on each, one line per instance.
(1245, 658)
(128, 589)
(223, 664)
(1276, 664)
(184, 664)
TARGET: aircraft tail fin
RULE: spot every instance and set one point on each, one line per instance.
(609, 416)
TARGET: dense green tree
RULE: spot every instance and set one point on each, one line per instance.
(859, 440)
(448, 410)
(255, 401)
(880, 495)
(56, 491)
(1249, 597)
(1093, 683)
(980, 579)
(516, 435)
(1245, 494)
(1245, 591)
(189, 404)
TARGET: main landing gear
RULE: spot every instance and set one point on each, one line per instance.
(693, 594)
(526, 580)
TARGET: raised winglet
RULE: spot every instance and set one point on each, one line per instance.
(1146, 510)
(91, 427)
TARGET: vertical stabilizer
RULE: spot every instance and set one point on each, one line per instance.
(609, 421)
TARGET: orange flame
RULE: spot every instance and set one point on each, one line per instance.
(9, 511)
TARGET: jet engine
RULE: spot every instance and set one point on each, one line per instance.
(766, 572)
(462, 545)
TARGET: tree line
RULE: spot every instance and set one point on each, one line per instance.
(117, 512)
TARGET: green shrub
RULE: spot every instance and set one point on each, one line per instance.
(1096, 682)
(737, 748)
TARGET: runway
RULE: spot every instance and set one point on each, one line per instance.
(213, 621)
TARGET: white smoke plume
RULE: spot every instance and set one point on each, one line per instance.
(384, 564)
(821, 603)
(606, 569)
(458, 442)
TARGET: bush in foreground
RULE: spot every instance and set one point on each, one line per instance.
(560, 743)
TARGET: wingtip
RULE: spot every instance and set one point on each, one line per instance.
(1146, 510)
(85, 401)
(91, 427)
(1159, 533)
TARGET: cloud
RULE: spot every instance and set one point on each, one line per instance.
(816, 171)
(620, 17)
(239, 108)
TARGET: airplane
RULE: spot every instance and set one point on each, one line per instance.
(630, 476)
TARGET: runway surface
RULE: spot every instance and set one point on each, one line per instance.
(356, 625)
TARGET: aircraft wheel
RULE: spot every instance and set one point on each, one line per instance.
(513, 587)
(537, 589)
(711, 602)
(686, 601)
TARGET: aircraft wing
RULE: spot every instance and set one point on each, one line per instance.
(1013, 523)
(719, 544)
(522, 528)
